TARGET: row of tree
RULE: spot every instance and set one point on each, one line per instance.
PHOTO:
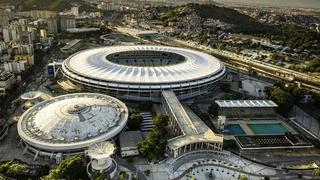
(153, 148)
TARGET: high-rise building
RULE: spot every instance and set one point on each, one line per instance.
(6, 34)
(23, 21)
(4, 20)
(52, 25)
(3, 46)
(26, 57)
(42, 14)
(67, 22)
(15, 66)
(5, 17)
(23, 49)
(9, 34)
(43, 34)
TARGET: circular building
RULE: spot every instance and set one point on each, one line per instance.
(142, 72)
(31, 98)
(72, 122)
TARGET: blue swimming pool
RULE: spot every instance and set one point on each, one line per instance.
(276, 129)
(234, 129)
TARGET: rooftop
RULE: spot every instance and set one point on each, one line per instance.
(193, 128)
(5, 76)
(245, 103)
(31, 95)
(72, 121)
(71, 44)
(93, 66)
(130, 139)
(272, 141)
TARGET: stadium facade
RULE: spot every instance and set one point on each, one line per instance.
(141, 72)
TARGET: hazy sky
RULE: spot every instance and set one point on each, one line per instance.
(277, 3)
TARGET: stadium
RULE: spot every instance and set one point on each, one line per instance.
(141, 72)
(71, 123)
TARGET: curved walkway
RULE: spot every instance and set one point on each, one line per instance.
(229, 168)
(242, 166)
(223, 166)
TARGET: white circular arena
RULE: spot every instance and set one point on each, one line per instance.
(142, 72)
(71, 123)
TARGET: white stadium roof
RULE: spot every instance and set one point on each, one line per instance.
(72, 121)
(92, 65)
(245, 103)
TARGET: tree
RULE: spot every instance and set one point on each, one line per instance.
(267, 91)
(213, 109)
(284, 100)
(123, 175)
(313, 65)
(135, 120)
(71, 168)
(316, 173)
(100, 176)
(297, 93)
(243, 177)
(155, 144)
(16, 102)
(225, 87)
(147, 172)
(20, 170)
(146, 106)
(160, 121)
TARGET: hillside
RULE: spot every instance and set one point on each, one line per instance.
(54, 5)
(240, 22)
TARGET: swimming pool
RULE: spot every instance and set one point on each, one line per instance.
(268, 128)
(234, 129)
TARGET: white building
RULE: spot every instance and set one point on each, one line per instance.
(7, 80)
(52, 25)
(9, 34)
(75, 11)
(43, 34)
(142, 72)
(15, 66)
(3, 46)
(69, 124)
(67, 22)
